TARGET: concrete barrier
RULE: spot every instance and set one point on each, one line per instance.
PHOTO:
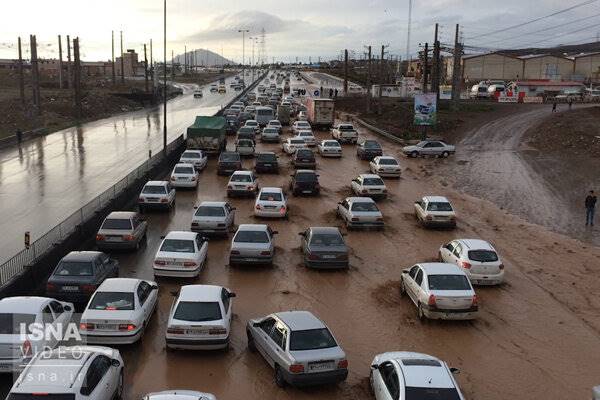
(28, 135)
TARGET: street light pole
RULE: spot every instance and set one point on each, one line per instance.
(165, 78)
(243, 31)
(252, 66)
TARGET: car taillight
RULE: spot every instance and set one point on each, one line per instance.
(296, 368)
(26, 349)
(175, 331)
(141, 199)
(313, 257)
(164, 200)
(159, 262)
(126, 327)
(86, 326)
(229, 186)
(429, 218)
(465, 265)
(88, 288)
(251, 187)
(258, 207)
(173, 178)
(354, 219)
(475, 300)
(431, 300)
(235, 252)
(217, 331)
(501, 266)
(50, 287)
(379, 219)
(364, 191)
(384, 190)
(189, 264)
(282, 210)
(343, 364)
(193, 178)
(128, 238)
(194, 224)
(99, 238)
(265, 253)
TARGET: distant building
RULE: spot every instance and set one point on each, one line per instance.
(541, 87)
(12, 64)
(131, 65)
(587, 66)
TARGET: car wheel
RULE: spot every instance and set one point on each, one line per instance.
(402, 288)
(414, 154)
(420, 313)
(445, 154)
(251, 344)
(279, 379)
(119, 392)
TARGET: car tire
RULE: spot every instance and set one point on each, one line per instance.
(119, 392)
(402, 288)
(251, 344)
(414, 154)
(420, 314)
(445, 154)
(279, 378)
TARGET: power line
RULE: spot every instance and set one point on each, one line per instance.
(567, 33)
(535, 19)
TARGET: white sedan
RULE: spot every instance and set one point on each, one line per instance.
(439, 291)
(196, 157)
(360, 212)
(119, 311)
(200, 318)
(300, 125)
(307, 136)
(179, 395)
(181, 254)
(329, 148)
(369, 185)
(435, 211)
(292, 144)
(385, 166)
(271, 202)
(477, 258)
(184, 175)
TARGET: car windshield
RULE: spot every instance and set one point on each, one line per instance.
(305, 153)
(74, 268)
(210, 211)
(177, 246)
(388, 161)
(266, 157)
(271, 196)
(184, 170)
(439, 206)
(483, 255)
(371, 144)
(251, 237)
(251, 123)
(245, 143)
(448, 282)
(327, 239)
(153, 189)
(421, 144)
(270, 130)
(112, 301)
(306, 177)
(373, 182)
(189, 154)
(311, 339)
(10, 324)
(241, 178)
(229, 157)
(297, 141)
(110, 223)
(346, 128)
(198, 311)
(331, 144)
(246, 129)
(429, 393)
(364, 207)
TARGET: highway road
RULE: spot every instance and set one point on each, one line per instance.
(47, 179)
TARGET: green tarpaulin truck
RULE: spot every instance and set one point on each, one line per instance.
(207, 134)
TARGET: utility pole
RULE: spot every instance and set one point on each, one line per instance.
(165, 78)
(114, 74)
(456, 71)
(435, 77)
(21, 78)
(185, 60)
(77, 77)
(172, 65)
(243, 32)
(426, 68)
(369, 82)
(122, 61)
(381, 79)
(345, 72)
(146, 68)
(35, 75)
(69, 62)
(60, 65)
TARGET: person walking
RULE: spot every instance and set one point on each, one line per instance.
(570, 103)
(335, 93)
(19, 135)
(554, 106)
(330, 93)
(590, 207)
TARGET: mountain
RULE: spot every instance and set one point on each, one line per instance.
(202, 57)
(558, 50)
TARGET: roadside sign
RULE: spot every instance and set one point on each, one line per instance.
(316, 93)
(425, 109)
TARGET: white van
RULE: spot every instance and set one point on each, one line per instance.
(264, 115)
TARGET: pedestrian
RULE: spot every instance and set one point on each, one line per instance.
(590, 207)
(19, 135)
(554, 106)
(330, 93)
(570, 103)
(321, 91)
(335, 93)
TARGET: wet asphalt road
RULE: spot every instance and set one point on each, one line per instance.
(47, 179)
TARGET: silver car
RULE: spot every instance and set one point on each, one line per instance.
(252, 244)
(429, 148)
(299, 347)
(121, 230)
(360, 212)
(213, 217)
(179, 395)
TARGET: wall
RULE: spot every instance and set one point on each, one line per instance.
(548, 67)
(492, 66)
(588, 66)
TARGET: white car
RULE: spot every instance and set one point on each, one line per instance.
(252, 244)
(184, 175)
(329, 148)
(307, 136)
(360, 212)
(74, 373)
(252, 123)
(274, 123)
(435, 211)
(119, 311)
(242, 183)
(369, 185)
(301, 117)
(385, 166)
(270, 134)
(292, 144)
(213, 217)
(181, 254)
(345, 133)
(200, 318)
(156, 194)
(179, 395)
(271, 202)
(18, 347)
(408, 375)
(300, 126)
(244, 147)
(477, 258)
(195, 157)
(439, 291)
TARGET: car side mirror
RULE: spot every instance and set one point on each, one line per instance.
(205, 239)
(115, 363)
(162, 237)
(301, 233)
(455, 370)
(233, 208)
(195, 207)
(405, 271)
(231, 294)
(67, 308)
(274, 233)
(374, 366)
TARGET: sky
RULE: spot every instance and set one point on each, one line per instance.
(307, 29)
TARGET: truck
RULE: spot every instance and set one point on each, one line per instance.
(345, 133)
(207, 134)
(320, 112)
(283, 114)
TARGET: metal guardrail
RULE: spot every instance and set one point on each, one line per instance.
(15, 265)
(377, 130)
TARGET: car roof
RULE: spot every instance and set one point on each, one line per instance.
(192, 151)
(436, 199)
(81, 256)
(306, 171)
(386, 158)
(156, 183)
(200, 293)
(360, 200)
(121, 215)
(324, 229)
(212, 204)
(421, 370)
(476, 244)
(179, 395)
(252, 227)
(300, 320)
(184, 165)
(22, 304)
(438, 268)
(271, 190)
(366, 176)
(119, 285)
(185, 235)
(242, 172)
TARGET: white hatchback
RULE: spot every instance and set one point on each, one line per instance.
(330, 148)
(181, 254)
(200, 318)
(477, 258)
(369, 185)
(307, 136)
(271, 202)
(385, 166)
(184, 175)
(119, 311)
(195, 157)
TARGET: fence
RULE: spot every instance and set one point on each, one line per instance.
(15, 265)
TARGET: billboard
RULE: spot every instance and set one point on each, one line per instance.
(425, 109)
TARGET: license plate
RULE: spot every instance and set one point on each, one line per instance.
(240, 187)
(328, 256)
(266, 165)
(4, 367)
(105, 327)
(113, 238)
(152, 199)
(251, 259)
(320, 366)
(307, 191)
(70, 288)
(196, 331)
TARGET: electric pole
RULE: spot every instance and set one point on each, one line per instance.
(77, 77)
(456, 71)
(145, 68)
(114, 74)
(435, 77)
(369, 82)
(381, 79)
(426, 68)
(60, 65)
(69, 62)
(345, 72)
(165, 78)
(243, 32)
(35, 75)
(185, 60)
(21, 78)
(172, 65)
(122, 61)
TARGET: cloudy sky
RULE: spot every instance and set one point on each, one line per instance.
(299, 28)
